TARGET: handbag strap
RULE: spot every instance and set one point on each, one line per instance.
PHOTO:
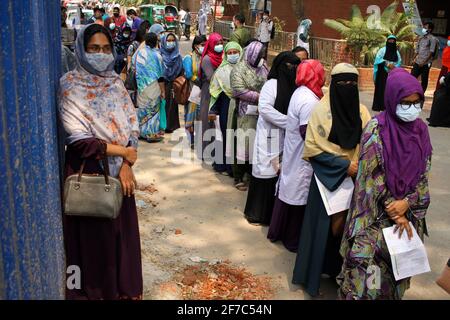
(105, 170)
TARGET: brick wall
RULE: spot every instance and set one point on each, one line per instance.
(318, 10)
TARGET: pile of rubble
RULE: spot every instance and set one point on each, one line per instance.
(223, 281)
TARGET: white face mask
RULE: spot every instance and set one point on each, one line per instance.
(448, 43)
(233, 26)
(218, 48)
(233, 58)
(99, 61)
(425, 31)
(408, 114)
(112, 26)
(200, 49)
(126, 35)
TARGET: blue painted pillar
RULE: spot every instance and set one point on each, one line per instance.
(31, 243)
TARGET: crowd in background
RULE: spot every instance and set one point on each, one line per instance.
(304, 137)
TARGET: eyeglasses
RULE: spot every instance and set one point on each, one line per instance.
(405, 105)
(98, 49)
(343, 83)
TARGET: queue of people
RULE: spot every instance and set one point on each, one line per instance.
(282, 135)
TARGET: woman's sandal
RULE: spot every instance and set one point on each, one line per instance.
(241, 186)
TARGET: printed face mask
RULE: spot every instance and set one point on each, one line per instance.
(408, 114)
(233, 58)
(100, 61)
(218, 48)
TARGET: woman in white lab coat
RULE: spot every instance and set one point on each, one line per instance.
(272, 108)
(295, 177)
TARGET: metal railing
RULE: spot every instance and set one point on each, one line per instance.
(322, 49)
(282, 41)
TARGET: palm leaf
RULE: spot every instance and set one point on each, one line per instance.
(336, 25)
(389, 13)
(356, 13)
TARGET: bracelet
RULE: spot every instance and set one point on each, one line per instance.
(127, 163)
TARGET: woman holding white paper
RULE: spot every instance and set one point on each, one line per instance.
(272, 108)
(391, 189)
(332, 147)
(296, 173)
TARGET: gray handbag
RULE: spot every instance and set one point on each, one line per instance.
(93, 195)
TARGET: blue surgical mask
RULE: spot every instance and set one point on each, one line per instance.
(233, 58)
(408, 114)
(448, 43)
(200, 50)
(425, 30)
(218, 48)
(112, 26)
(100, 61)
(171, 45)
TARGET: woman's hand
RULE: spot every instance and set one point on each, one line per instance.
(352, 170)
(126, 177)
(131, 155)
(402, 225)
(397, 209)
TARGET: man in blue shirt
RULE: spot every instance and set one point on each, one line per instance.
(132, 14)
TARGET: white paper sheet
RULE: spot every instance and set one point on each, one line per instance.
(408, 257)
(219, 136)
(338, 200)
(252, 110)
(195, 96)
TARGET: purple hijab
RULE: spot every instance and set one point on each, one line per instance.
(406, 145)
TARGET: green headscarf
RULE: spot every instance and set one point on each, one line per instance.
(220, 81)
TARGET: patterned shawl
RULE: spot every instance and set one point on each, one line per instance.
(220, 81)
(97, 106)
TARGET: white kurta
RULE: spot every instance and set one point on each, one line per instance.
(296, 173)
(269, 133)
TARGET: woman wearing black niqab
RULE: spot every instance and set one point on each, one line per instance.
(386, 59)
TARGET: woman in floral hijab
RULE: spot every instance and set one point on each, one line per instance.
(100, 121)
(247, 80)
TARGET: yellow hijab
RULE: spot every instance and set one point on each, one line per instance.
(319, 125)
